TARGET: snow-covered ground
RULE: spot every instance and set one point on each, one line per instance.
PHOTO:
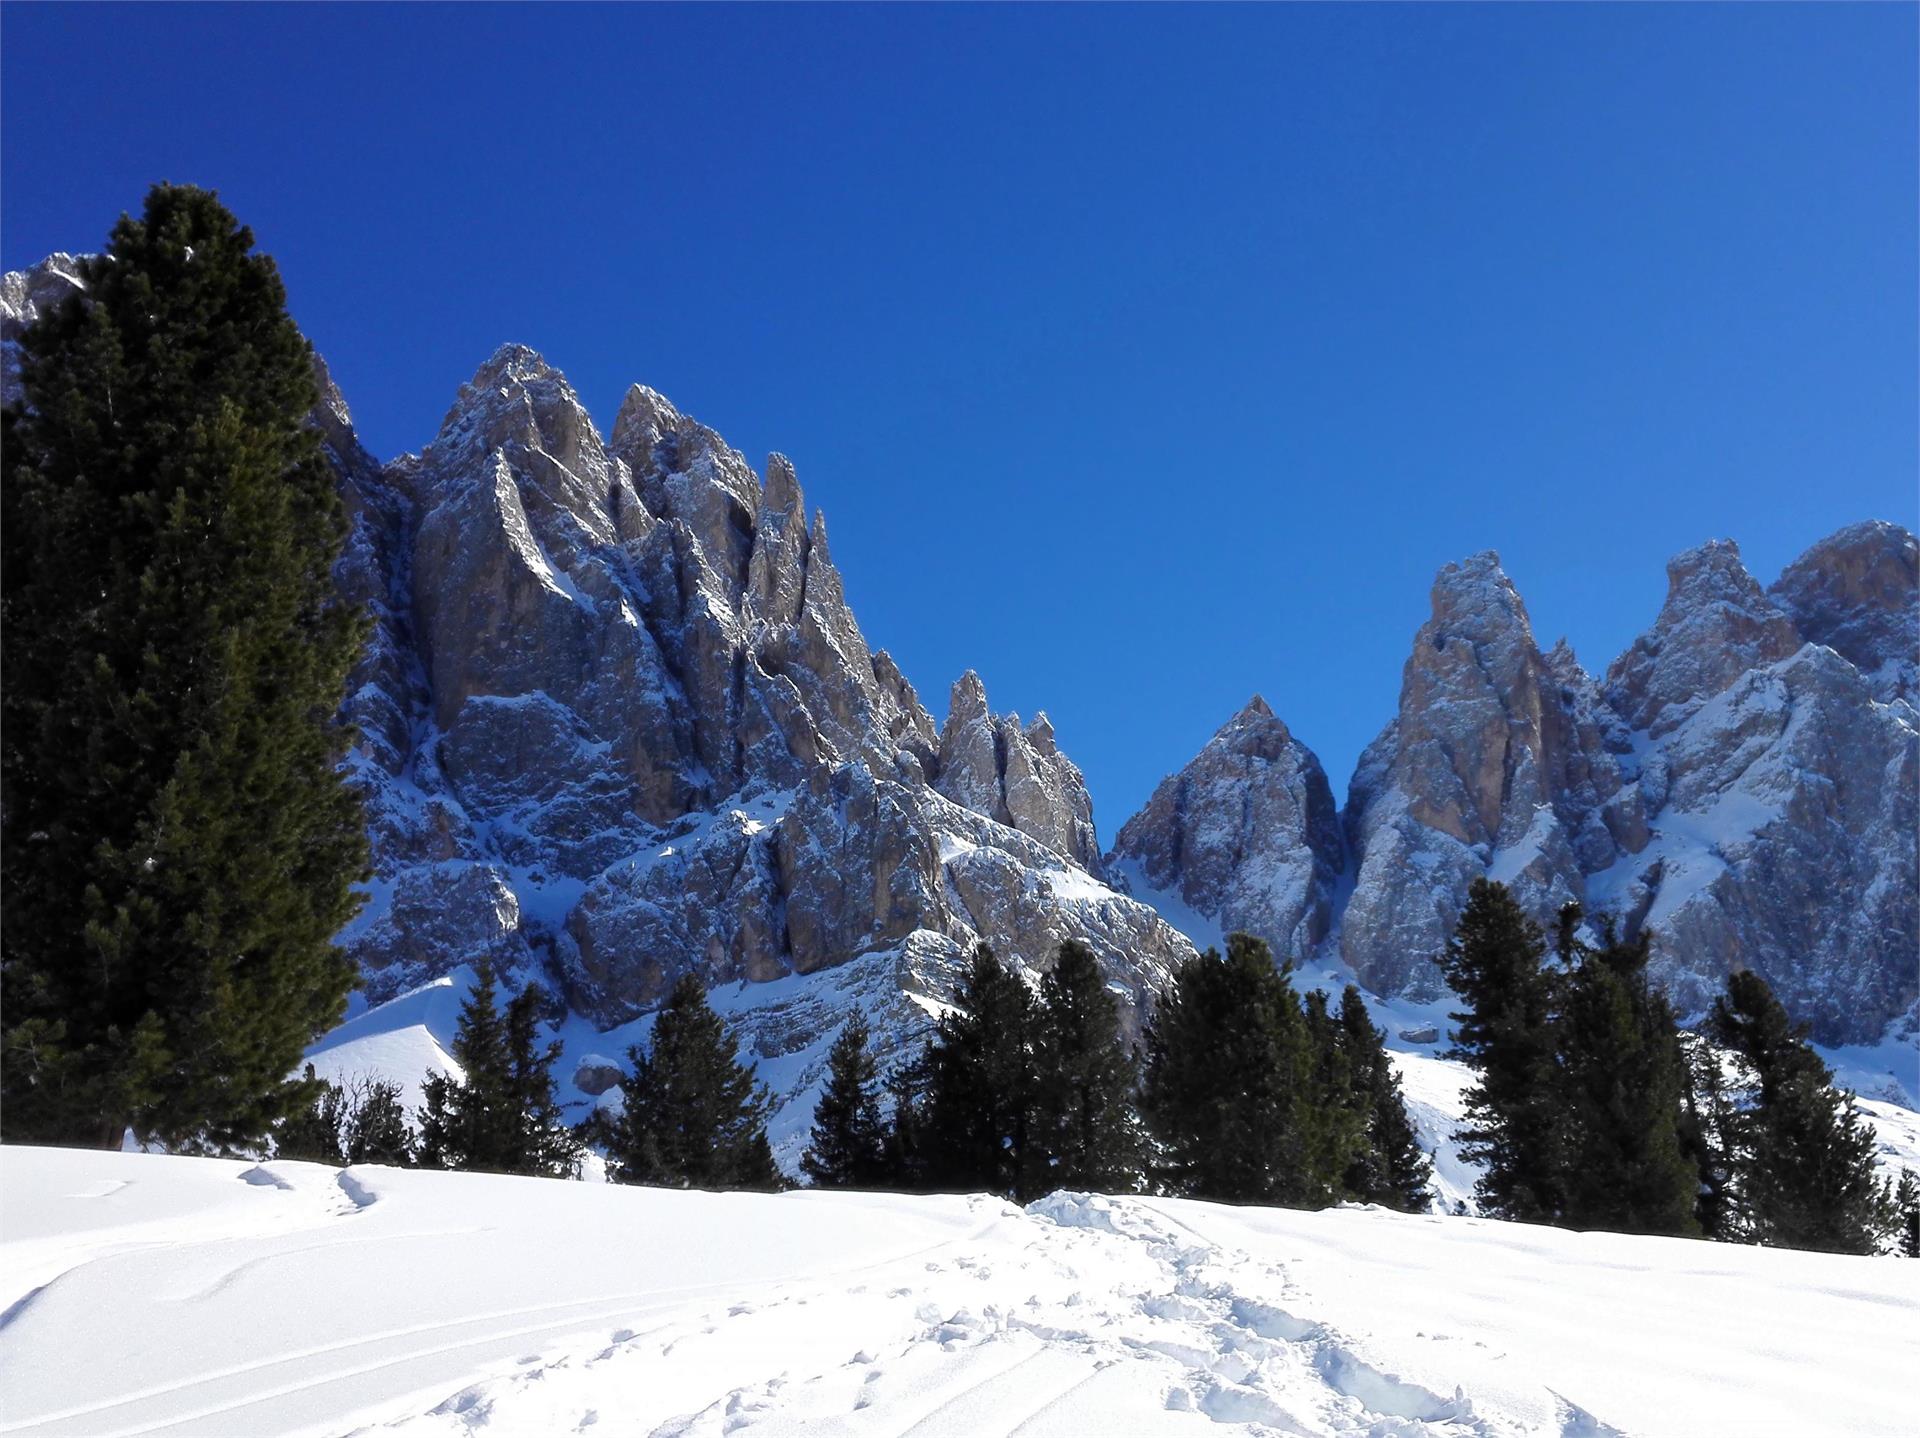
(144, 1294)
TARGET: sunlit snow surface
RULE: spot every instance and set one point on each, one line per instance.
(147, 1294)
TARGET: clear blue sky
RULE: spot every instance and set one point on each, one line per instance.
(1141, 358)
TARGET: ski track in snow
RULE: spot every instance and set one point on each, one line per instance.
(142, 1294)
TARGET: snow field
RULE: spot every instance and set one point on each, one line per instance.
(143, 1295)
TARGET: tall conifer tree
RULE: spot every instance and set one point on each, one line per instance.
(1389, 1167)
(1085, 1130)
(179, 843)
(848, 1145)
(1494, 961)
(1227, 1077)
(1622, 1082)
(693, 1116)
(1802, 1156)
(978, 1084)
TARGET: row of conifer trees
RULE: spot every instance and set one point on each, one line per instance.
(1246, 1092)
(1591, 1109)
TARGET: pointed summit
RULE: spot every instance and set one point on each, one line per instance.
(1716, 625)
(1858, 592)
(1246, 834)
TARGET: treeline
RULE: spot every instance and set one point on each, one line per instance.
(1245, 1092)
(1590, 1109)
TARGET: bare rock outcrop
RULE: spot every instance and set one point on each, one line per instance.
(1247, 833)
(1858, 593)
(1015, 775)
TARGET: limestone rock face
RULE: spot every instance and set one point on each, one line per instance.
(1247, 833)
(1858, 592)
(618, 724)
(1015, 775)
(1501, 760)
(1744, 786)
(1716, 625)
(1784, 817)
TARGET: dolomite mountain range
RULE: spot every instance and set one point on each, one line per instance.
(617, 723)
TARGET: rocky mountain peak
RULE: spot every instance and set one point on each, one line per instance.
(1474, 599)
(1717, 623)
(1858, 592)
(1015, 774)
(1247, 834)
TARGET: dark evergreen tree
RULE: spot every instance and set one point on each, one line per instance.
(1704, 1129)
(1506, 1034)
(979, 1087)
(543, 1142)
(1227, 1080)
(848, 1145)
(1802, 1156)
(314, 1134)
(378, 1127)
(1388, 1167)
(1335, 1115)
(904, 1157)
(1906, 1204)
(1085, 1132)
(472, 1121)
(178, 840)
(694, 1117)
(1620, 1093)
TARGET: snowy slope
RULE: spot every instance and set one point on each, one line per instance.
(147, 1295)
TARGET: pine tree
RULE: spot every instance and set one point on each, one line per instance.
(470, 1121)
(1705, 1126)
(378, 1127)
(543, 1141)
(1906, 1204)
(1506, 1035)
(904, 1151)
(314, 1134)
(179, 843)
(1621, 1084)
(1085, 1133)
(1802, 1155)
(1389, 1167)
(979, 1086)
(848, 1146)
(1227, 1079)
(1335, 1116)
(694, 1117)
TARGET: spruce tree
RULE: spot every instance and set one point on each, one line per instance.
(1494, 961)
(314, 1134)
(543, 1142)
(1906, 1205)
(1621, 1086)
(1389, 1167)
(1226, 1081)
(1705, 1129)
(1802, 1155)
(179, 843)
(471, 1121)
(1335, 1115)
(1085, 1131)
(693, 1116)
(378, 1131)
(979, 1087)
(904, 1150)
(848, 1145)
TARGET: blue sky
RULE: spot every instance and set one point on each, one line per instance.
(1142, 358)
